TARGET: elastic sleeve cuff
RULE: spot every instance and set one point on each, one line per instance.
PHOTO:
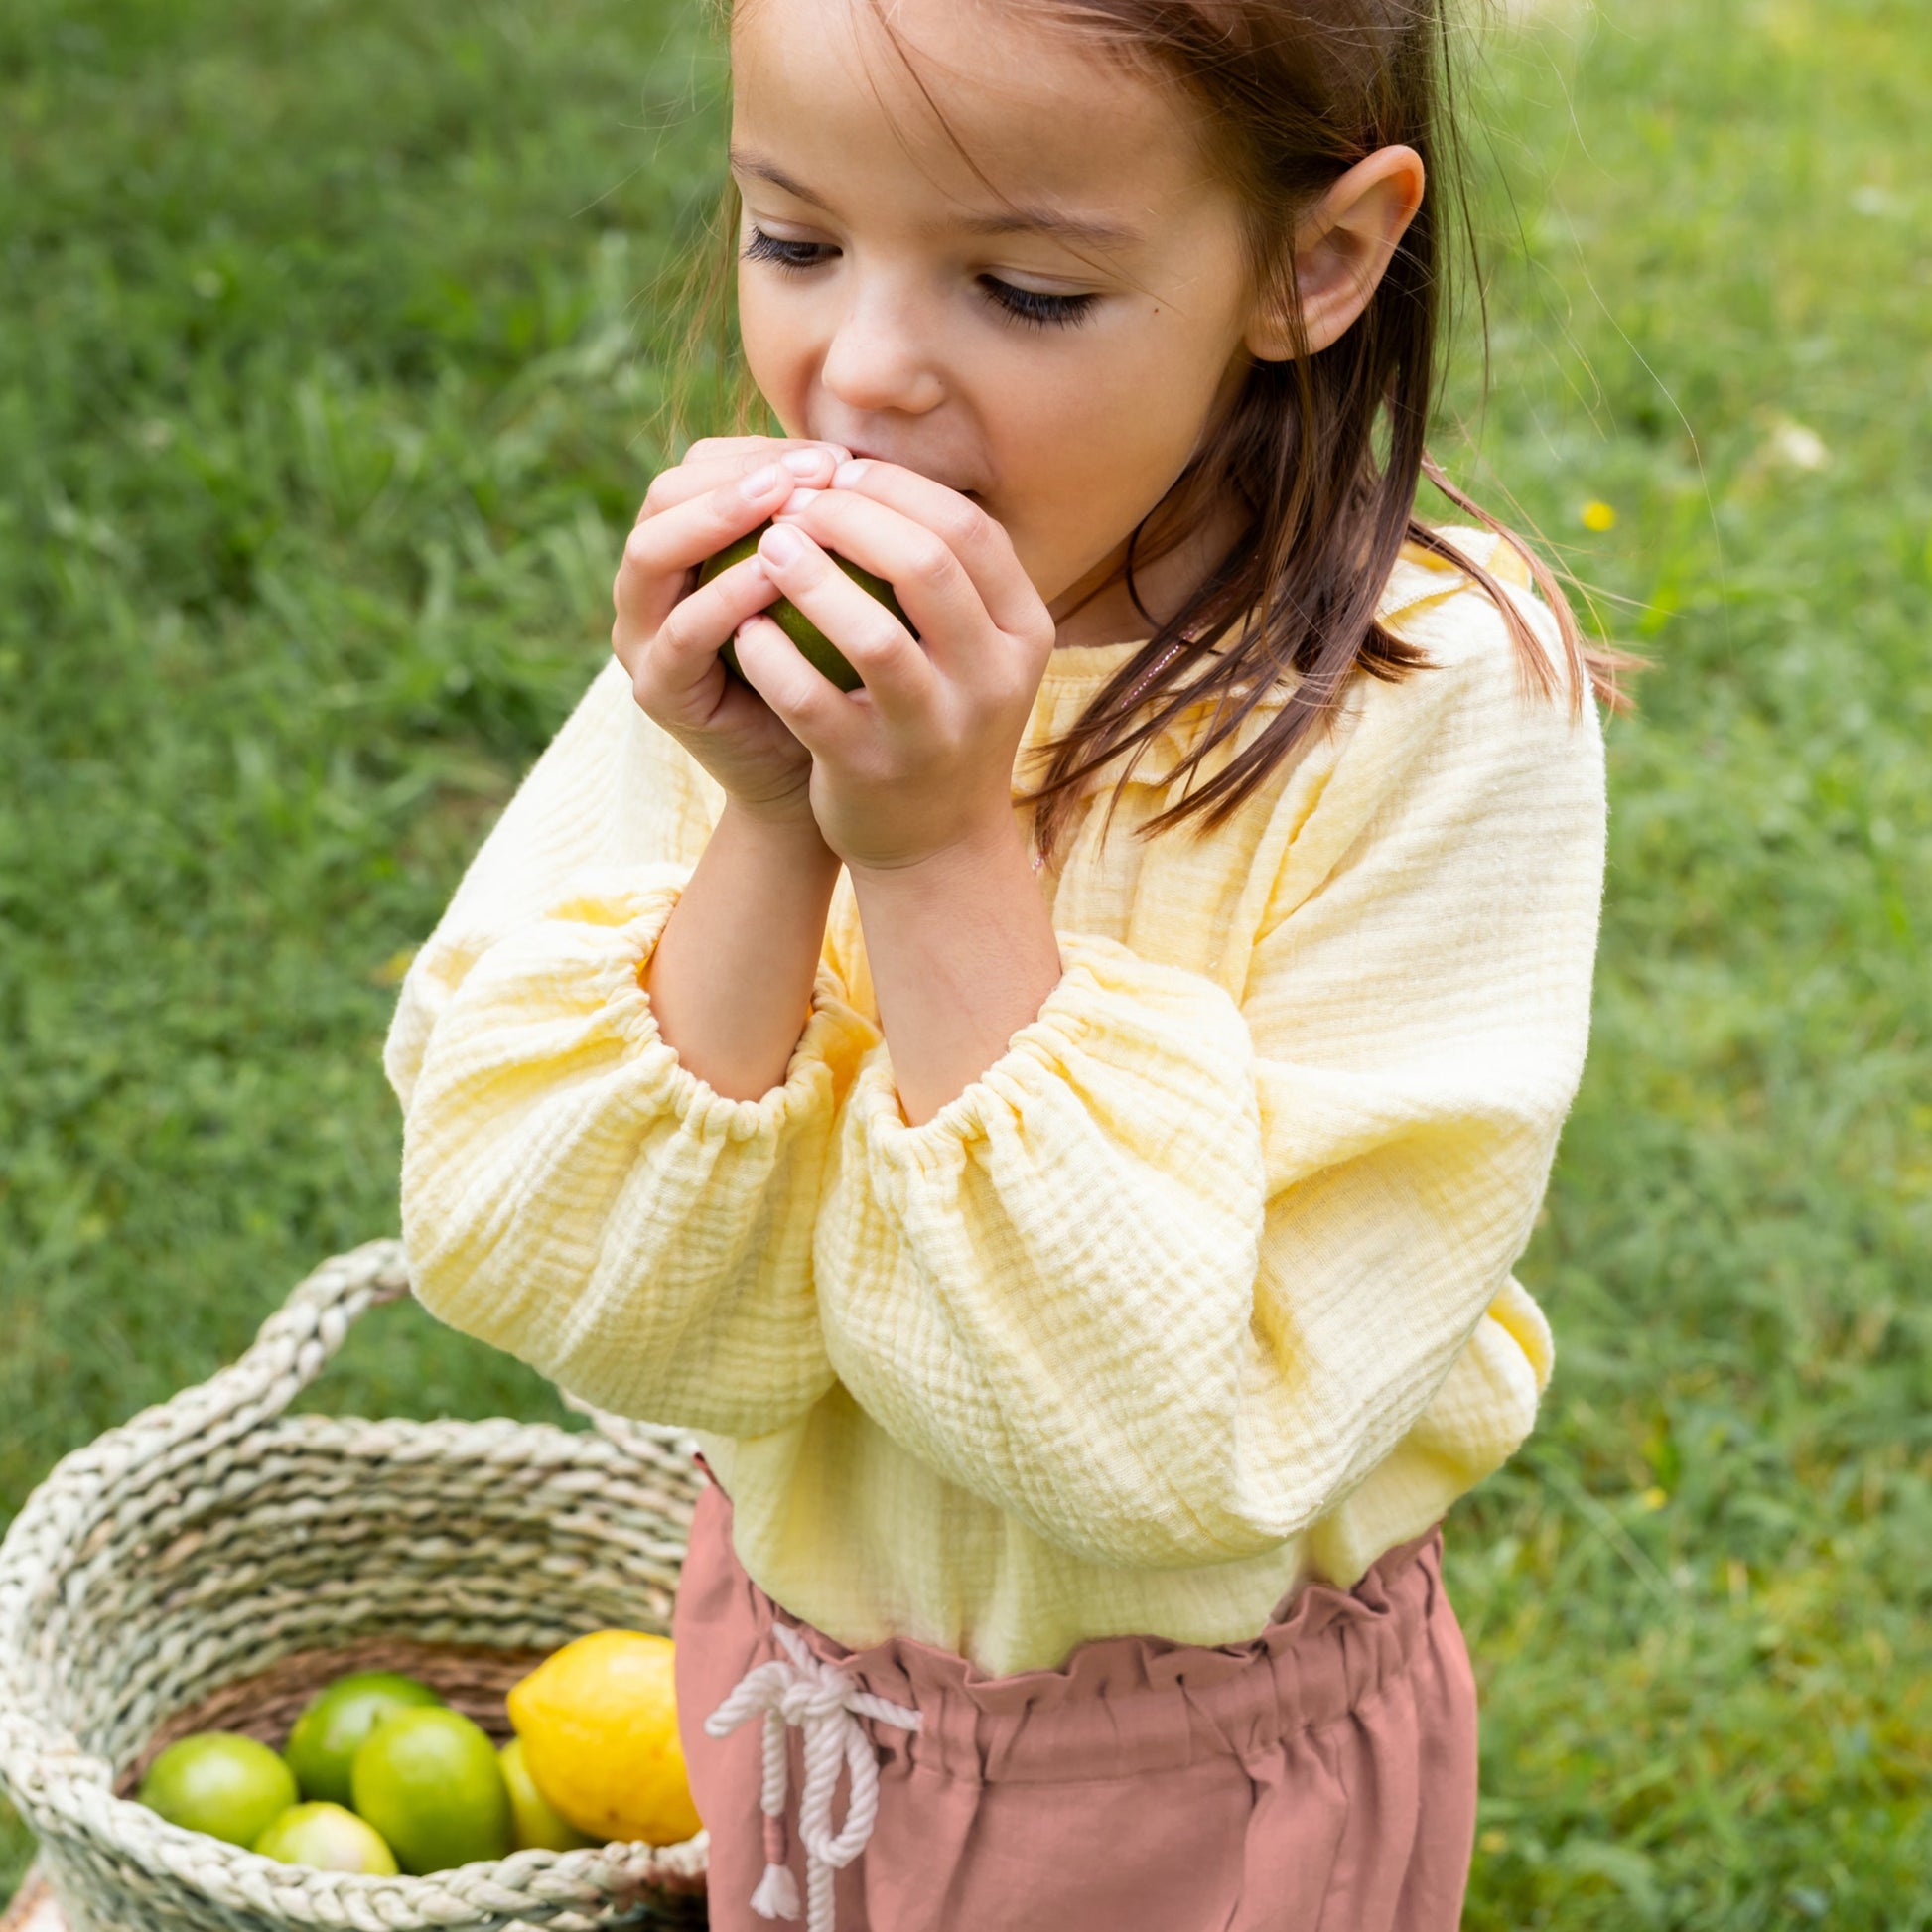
(559, 1001)
(1108, 1001)
(622, 920)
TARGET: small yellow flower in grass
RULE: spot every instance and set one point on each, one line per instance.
(1598, 516)
(392, 969)
(1654, 1498)
(1494, 1841)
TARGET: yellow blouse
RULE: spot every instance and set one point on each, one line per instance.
(1201, 1290)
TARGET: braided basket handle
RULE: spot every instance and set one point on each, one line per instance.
(290, 1349)
(297, 1341)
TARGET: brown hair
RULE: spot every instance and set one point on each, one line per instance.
(1291, 93)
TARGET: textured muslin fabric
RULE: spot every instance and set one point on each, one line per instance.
(1321, 1777)
(1201, 1291)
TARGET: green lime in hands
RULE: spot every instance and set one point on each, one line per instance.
(813, 644)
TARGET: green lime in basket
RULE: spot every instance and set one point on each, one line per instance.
(534, 1820)
(330, 1839)
(813, 642)
(330, 1731)
(219, 1782)
(429, 1782)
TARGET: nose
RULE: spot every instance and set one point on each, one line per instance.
(882, 355)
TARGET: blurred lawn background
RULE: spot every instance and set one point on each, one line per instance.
(324, 391)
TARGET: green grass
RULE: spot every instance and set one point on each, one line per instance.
(323, 407)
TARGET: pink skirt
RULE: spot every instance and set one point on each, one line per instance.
(1321, 1775)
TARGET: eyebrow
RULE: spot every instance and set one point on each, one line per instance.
(1056, 224)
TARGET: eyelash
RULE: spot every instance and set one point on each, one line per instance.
(1027, 307)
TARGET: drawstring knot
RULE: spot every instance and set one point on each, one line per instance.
(826, 1706)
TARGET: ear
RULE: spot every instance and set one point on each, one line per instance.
(1342, 247)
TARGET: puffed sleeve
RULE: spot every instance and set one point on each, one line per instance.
(1189, 1262)
(571, 1191)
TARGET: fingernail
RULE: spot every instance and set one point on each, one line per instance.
(782, 546)
(848, 474)
(761, 482)
(804, 463)
(797, 501)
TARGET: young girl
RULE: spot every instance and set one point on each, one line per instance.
(1080, 1239)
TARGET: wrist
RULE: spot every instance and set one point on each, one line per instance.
(992, 847)
(791, 835)
(962, 953)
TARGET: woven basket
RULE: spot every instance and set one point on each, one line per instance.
(212, 1563)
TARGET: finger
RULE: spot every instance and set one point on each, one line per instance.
(664, 551)
(698, 473)
(974, 537)
(670, 664)
(930, 582)
(811, 707)
(890, 660)
(709, 447)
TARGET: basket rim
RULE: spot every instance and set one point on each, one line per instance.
(79, 1801)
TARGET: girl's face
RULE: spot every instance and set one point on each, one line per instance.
(889, 304)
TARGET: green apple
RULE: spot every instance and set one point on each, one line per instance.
(817, 648)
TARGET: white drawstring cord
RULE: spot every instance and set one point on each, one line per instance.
(826, 1705)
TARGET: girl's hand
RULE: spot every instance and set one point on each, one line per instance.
(919, 760)
(668, 634)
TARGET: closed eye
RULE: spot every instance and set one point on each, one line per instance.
(1028, 307)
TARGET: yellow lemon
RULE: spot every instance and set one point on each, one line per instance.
(599, 1724)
